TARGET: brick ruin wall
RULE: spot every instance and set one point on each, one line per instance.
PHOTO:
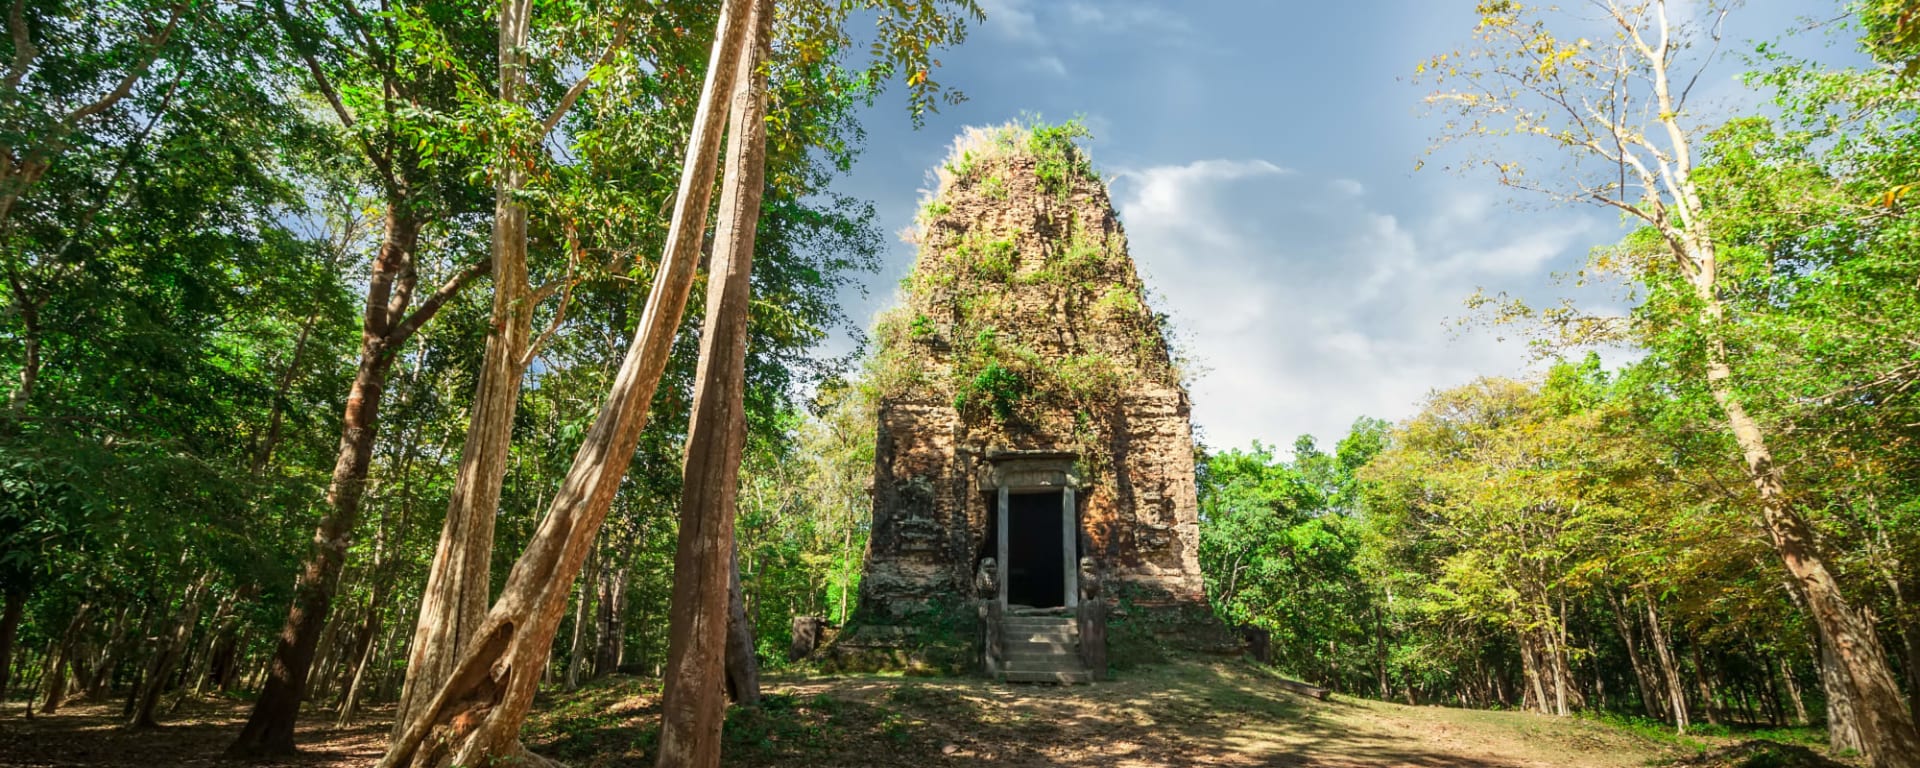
(1028, 272)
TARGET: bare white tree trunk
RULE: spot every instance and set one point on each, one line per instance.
(455, 599)
(476, 715)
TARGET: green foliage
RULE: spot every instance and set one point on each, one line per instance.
(1058, 159)
(182, 301)
(995, 389)
(995, 188)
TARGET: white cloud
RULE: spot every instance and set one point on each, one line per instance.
(1049, 27)
(1305, 308)
(1012, 20)
(1049, 65)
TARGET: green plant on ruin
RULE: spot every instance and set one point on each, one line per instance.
(921, 327)
(895, 367)
(996, 388)
(991, 260)
(995, 188)
(986, 379)
(998, 260)
(1092, 378)
(1058, 160)
(1118, 301)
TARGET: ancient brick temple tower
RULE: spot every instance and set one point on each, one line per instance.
(1029, 410)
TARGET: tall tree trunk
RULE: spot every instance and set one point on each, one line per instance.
(1793, 692)
(1669, 671)
(116, 647)
(479, 711)
(54, 680)
(743, 668)
(612, 620)
(1843, 713)
(201, 666)
(455, 600)
(16, 606)
(692, 702)
(369, 646)
(1709, 704)
(385, 326)
(581, 609)
(168, 654)
(1886, 725)
(1642, 677)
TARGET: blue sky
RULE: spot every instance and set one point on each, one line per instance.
(1262, 157)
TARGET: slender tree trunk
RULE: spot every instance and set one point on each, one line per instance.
(1793, 692)
(270, 727)
(1676, 693)
(612, 621)
(743, 668)
(478, 713)
(1642, 677)
(369, 646)
(1530, 664)
(168, 654)
(59, 658)
(115, 650)
(692, 704)
(1886, 725)
(16, 607)
(578, 648)
(202, 666)
(29, 312)
(1380, 651)
(1709, 704)
(455, 600)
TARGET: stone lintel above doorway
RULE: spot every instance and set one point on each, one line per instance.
(1030, 470)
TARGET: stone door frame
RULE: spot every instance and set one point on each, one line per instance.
(1011, 472)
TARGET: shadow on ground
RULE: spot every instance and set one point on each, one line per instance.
(90, 735)
(1181, 715)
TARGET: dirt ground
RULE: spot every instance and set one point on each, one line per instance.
(1183, 715)
(93, 735)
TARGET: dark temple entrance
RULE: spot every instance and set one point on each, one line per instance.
(1036, 569)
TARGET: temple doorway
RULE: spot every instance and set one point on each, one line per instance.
(1039, 549)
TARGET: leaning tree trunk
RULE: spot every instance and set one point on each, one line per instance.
(1886, 726)
(386, 326)
(743, 669)
(1676, 693)
(269, 729)
(455, 600)
(476, 716)
(168, 655)
(693, 703)
(1642, 677)
(1843, 713)
(59, 658)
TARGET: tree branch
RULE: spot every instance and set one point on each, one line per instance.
(405, 328)
(573, 94)
(23, 49)
(120, 90)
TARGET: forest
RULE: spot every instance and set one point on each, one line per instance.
(422, 361)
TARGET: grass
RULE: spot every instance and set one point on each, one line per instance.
(1178, 713)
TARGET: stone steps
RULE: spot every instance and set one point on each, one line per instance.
(1042, 649)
